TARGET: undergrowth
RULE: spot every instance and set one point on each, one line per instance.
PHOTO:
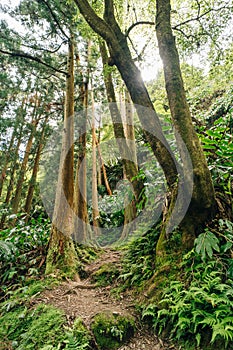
(197, 307)
(139, 260)
(43, 327)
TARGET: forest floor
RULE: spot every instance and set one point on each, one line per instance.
(85, 299)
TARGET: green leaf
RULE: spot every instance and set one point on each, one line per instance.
(205, 244)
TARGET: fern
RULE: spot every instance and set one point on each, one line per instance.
(204, 304)
(7, 249)
(72, 343)
(222, 331)
(205, 244)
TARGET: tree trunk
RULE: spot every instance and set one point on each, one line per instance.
(23, 169)
(7, 159)
(120, 54)
(130, 211)
(81, 230)
(61, 255)
(202, 207)
(103, 168)
(130, 166)
(35, 169)
(12, 172)
(95, 208)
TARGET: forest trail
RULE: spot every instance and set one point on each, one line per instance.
(85, 299)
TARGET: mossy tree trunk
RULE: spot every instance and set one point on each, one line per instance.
(130, 212)
(203, 206)
(81, 227)
(61, 257)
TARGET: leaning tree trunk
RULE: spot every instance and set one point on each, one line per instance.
(120, 56)
(130, 166)
(61, 255)
(203, 206)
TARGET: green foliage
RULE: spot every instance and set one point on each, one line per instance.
(43, 327)
(139, 261)
(107, 274)
(216, 139)
(22, 249)
(32, 329)
(198, 308)
(78, 338)
(22, 295)
(205, 244)
(7, 249)
(111, 330)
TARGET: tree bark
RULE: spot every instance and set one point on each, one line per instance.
(95, 208)
(130, 166)
(35, 169)
(14, 167)
(81, 230)
(130, 212)
(19, 186)
(61, 255)
(6, 160)
(203, 206)
(120, 56)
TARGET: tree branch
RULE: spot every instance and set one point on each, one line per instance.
(178, 25)
(95, 22)
(32, 58)
(136, 24)
(199, 16)
(55, 19)
(43, 49)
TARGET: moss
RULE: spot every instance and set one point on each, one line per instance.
(43, 327)
(106, 274)
(32, 329)
(62, 258)
(80, 331)
(165, 271)
(23, 294)
(112, 330)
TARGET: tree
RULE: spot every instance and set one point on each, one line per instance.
(61, 252)
(120, 56)
(32, 182)
(95, 208)
(203, 206)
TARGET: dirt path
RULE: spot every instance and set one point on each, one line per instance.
(84, 299)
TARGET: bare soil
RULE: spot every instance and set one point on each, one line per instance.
(85, 299)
